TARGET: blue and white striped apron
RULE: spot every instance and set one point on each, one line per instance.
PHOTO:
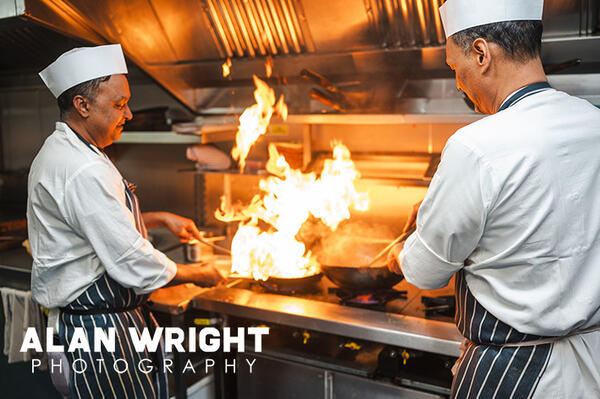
(497, 362)
(107, 304)
(489, 367)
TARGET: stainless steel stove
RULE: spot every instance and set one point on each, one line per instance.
(336, 348)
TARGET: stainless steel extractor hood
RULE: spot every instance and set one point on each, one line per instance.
(182, 44)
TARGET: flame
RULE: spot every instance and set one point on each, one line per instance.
(269, 66)
(255, 120)
(227, 68)
(265, 243)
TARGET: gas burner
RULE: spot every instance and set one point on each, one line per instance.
(439, 306)
(375, 300)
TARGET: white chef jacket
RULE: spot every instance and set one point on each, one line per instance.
(516, 203)
(80, 227)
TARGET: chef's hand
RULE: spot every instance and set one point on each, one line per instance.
(392, 258)
(183, 228)
(200, 274)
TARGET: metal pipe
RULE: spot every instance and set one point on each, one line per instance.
(406, 8)
(273, 40)
(296, 23)
(428, 19)
(422, 21)
(227, 14)
(254, 27)
(213, 32)
(441, 38)
(262, 28)
(279, 20)
(278, 28)
(250, 46)
(391, 32)
(305, 28)
(290, 26)
(220, 30)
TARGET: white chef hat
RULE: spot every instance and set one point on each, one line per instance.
(82, 64)
(459, 15)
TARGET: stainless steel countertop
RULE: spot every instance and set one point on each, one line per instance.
(387, 328)
(174, 300)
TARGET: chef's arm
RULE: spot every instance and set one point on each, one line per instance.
(450, 220)
(199, 274)
(94, 206)
(183, 228)
(153, 219)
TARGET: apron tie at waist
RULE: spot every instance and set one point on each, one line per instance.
(550, 340)
(86, 312)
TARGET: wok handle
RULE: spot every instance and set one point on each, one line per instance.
(215, 246)
(402, 237)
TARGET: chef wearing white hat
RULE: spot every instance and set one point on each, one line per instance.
(514, 212)
(93, 265)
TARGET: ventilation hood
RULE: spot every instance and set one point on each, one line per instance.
(182, 44)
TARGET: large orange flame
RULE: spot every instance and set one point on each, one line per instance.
(265, 244)
(255, 120)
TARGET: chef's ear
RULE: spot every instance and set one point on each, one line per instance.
(482, 51)
(81, 105)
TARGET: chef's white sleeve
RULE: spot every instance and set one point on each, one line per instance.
(95, 207)
(451, 219)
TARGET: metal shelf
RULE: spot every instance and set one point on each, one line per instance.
(158, 138)
(382, 119)
(235, 172)
(383, 180)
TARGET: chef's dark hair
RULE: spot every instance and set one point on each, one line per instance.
(521, 40)
(87, 89)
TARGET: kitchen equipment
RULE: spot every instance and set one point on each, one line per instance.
(398, 240)
(364, 278)
(332, 96)
(367, 299)
(195, 250)
(349, 272)
(291, 285)
(284, 285)
(12, 233)
(444, 305)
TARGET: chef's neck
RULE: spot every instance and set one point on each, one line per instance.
(80, 127)
(514, 75)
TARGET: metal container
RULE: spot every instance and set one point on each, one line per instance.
(194, 251)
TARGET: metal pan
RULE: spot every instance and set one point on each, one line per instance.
(284, 285)
(292, 285)
(361, 278)
(348, 274)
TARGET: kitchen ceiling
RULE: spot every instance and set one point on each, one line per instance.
(182, 44)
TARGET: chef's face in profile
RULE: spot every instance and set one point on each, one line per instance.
(109, 110)
(467, 70)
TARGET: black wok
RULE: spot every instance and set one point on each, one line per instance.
(361, 278)
(291, 285)
(284, 285)
(348, 270)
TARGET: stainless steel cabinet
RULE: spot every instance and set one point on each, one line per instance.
(281, 379)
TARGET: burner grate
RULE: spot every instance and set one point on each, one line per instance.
(375, 300)
(444, 305)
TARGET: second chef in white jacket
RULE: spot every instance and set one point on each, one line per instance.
(514, 212)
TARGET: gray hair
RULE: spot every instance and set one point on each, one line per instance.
(521, 40)
(87, 89)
